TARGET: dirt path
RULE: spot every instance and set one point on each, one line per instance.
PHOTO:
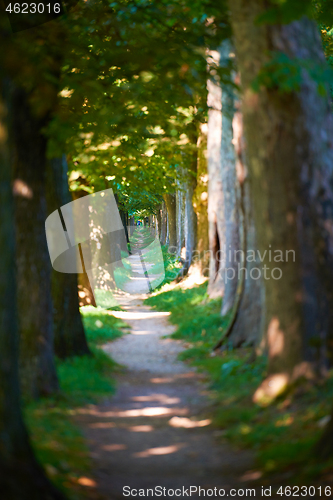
(155, 430)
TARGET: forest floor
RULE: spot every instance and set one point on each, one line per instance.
(155, 430)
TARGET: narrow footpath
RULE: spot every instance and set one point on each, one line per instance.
(156, 431)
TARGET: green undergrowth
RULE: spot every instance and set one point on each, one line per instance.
(171, 265)
(106, 300)
(100, 325)
(56, 436)
(282, 435)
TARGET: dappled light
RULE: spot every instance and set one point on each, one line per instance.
(141, 428)
(86, 481)
(275, 338)
(270, 388)
(187, 423)
(114, 447)
(162, 398)
(21, 188)
(162, 450)
(128, 315)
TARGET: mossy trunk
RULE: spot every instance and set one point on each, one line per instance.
(28, 145)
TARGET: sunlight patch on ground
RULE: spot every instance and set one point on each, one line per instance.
(102, 425)
(127, 315)
(86, 481)
(161, 380)
(114, 447)
(251, 475)
(141, 428)
(162, 398)
(193, 279)
(155, 411)
(162, 450)
(187, 423)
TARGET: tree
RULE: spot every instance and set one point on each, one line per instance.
(287, 123)
(28, 149)
(216, 213)
(200, 204)
(31, 62)
(170, 203)
(20, 474)
(69, 335)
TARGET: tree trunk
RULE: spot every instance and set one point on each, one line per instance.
(159, 220)
(163, 224)
(170, 203)
(123, 216)
(38, 373)
(190, 223)
(216, 222)
(131, 225)
(180, 211)
(21, 477)
(289, 156)
(231, 193)
(86, 296)
(248, 324)
(69, 335)
(200, 204)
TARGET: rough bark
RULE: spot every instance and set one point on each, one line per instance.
(170, 203)
(290, 157)
(242, 292)
(248, 325)
(216, 222)
(28, 146)
(69, 335)
(21, 477)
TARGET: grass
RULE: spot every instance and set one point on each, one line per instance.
(57, 439)
(171, 265)
(282, 435)
(100, 326)
(106, 300)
